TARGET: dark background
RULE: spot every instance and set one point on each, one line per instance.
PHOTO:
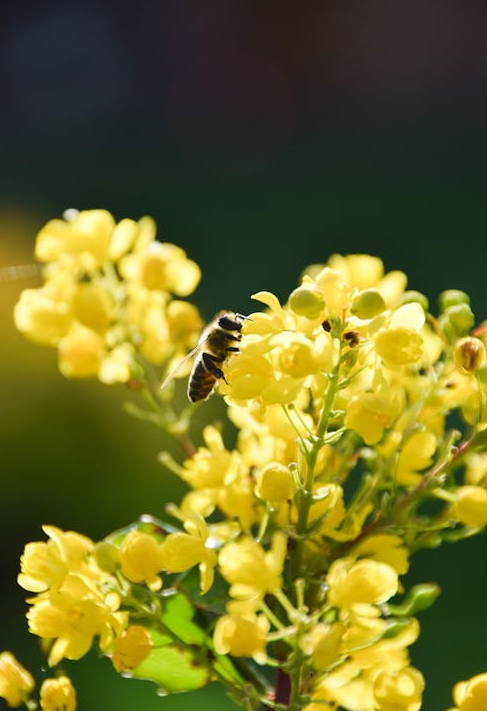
(262, 136)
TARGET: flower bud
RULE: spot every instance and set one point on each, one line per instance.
(461, 318)
(367, 304)
(107, 556)
(452, 297)
(131, 648)
(275, 483)
(415, 297)
(307, 301)
(57, 694)
(469, 354)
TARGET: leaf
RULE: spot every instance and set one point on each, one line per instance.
(177, 669)
(173, 670)
(177, 616)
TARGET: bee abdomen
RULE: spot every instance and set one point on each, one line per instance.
(201, 383)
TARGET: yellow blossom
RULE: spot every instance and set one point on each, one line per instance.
(416, 455)
(42, 317)
(58, 695)
(328, 504)
(470, 506)
(222, 479)
(45, 565)
(181, 551)
(251, 571)
(399, 690)
(161, 266)
(399, 346)
(141, 559)
(324, 644)
(131, 648)
(92, 306)
(72, 620)
(275, 483)
(471, 695)
(386, 548)
(242, 635)
(370, 413)
(16, 683)
(81, 352)
(84, 237)
(364, 581)
(469, 354)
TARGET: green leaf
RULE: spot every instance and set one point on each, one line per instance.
(177, 617)
(173, 670)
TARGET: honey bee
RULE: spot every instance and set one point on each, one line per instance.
(217, 342)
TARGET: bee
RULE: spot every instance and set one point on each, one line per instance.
(218, 341)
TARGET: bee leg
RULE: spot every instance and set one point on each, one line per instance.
(233, 349)
(211, 365)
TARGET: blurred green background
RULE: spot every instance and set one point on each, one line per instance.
(262, 136)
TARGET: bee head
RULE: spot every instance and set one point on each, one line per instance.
(231, 322)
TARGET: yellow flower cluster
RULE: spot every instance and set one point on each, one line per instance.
(76, 600)
(17, 685)
(108, 296)
(291, 543)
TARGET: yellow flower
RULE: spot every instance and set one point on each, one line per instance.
(160, 266)
(370, 413)
(92, 306)
(471, 695)
(58, 695)
(42, 317)
(328, 504)
(242, 635)
(251, 571)
(141, 559)
(131, 648)
(386, 548)
(16, 683)
(470, 506)
(212, 466)
(83, 238)
(416, 455)
(399, 690)
(399, 342)
(221, 478)
(364, 581)
(324, 644)
(181, 551)
(45, 565)
(81, 352)
(275, 483)
(469, 354)
(72, 620)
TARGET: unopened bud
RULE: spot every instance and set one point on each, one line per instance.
(469, 354)
(452, 297)
(107, 556)
(368, 304)
(275, 483)
(307, 301)
(461, 318)
(415, 297)
(419, 598)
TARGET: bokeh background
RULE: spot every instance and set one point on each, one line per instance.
(262, 136)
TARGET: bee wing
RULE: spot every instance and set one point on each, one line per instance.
(178, 365)
(19, 271)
